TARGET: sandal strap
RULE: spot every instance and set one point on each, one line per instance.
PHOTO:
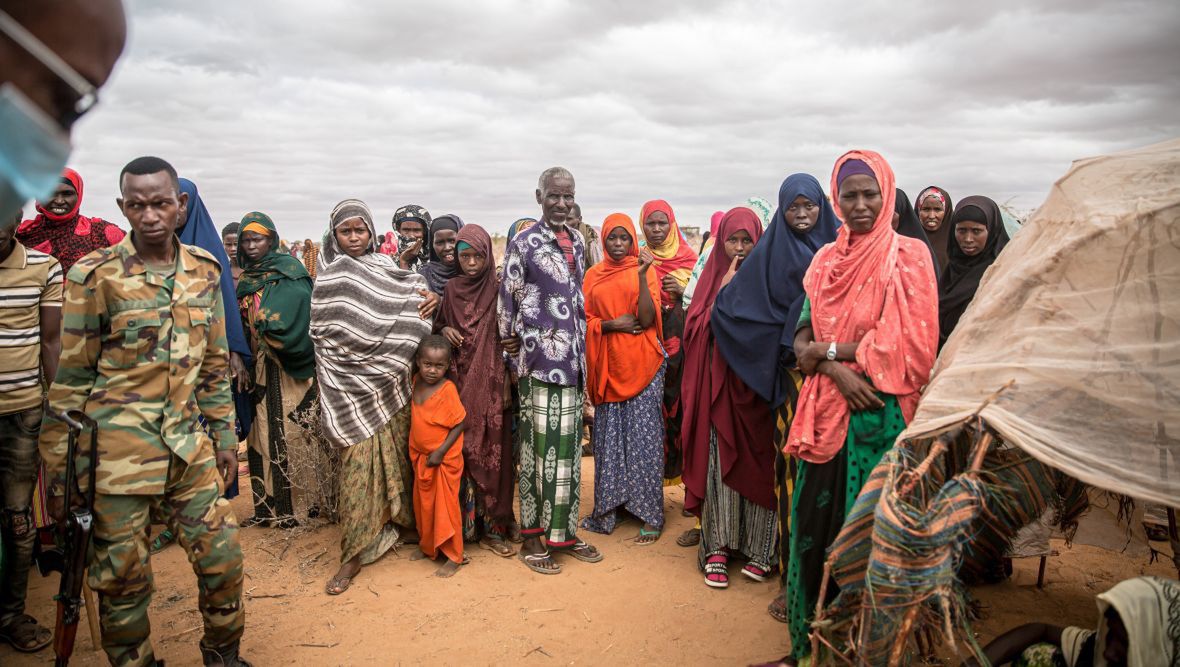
(716, 568)
(536, 558)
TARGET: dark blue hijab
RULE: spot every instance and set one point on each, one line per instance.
(200, 231)
(755, 315)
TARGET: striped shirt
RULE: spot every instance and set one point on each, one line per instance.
(29, 280)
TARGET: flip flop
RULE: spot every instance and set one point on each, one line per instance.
(497, 546)
(531, 562)
(25, 635)
(778, 609)
(647, 533)
(584, 552)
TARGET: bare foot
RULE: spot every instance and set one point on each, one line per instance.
(448, 569)
(343, 578)
(514, 535)
(418, 555)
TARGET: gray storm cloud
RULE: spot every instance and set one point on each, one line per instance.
(289, 107)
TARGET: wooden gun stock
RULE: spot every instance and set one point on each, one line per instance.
(75, 533)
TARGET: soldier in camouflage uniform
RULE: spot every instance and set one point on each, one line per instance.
(143, 352)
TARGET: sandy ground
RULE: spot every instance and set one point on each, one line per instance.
(641, 604)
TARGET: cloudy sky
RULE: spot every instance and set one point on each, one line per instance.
(290, 106)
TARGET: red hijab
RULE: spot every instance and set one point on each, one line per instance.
(674, 256)
(619, 365)
(714, 396)
(877, 288)
(70, 236)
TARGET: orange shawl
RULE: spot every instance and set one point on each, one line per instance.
(674, 257)
(878, 289)
(619, 365)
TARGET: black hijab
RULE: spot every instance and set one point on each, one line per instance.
(961, 278)
(909, 225)
(435, 271)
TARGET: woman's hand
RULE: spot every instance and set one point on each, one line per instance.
(733, 269)
(429, 304)
(510, 345)
(645, 260)
(809, 356)
(410, 253)
(859, 394)
(672, 286)
(452, 336)
(435, 458)
(625, 323)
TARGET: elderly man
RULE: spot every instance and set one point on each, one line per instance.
(53, 58)
(543, 326)
(144, 353)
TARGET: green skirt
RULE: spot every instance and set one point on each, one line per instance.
(822, 495)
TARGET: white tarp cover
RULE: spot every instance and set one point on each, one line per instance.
(1082, 310)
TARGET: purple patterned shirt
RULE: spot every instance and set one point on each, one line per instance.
(542, 304)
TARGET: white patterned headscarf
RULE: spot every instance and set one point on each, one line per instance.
(1150, 610)
(366, 328)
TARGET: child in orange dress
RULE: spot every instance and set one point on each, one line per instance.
(436, 451)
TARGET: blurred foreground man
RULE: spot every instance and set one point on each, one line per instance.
(144, 352)
(54, 55)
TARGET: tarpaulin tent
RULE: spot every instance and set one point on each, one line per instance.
(1065, 367)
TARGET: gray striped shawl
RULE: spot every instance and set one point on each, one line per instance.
(366, 328)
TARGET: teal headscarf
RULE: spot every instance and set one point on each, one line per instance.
(284, 313)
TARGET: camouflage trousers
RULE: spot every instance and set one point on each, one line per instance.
(121, 573)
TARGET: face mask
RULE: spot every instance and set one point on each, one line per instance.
(33, 152)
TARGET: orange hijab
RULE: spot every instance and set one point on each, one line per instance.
(878, 289)
(674, 257)
(619, 365)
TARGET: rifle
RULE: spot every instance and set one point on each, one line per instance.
(74, 534)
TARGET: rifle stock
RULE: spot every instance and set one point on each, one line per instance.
(75, 532)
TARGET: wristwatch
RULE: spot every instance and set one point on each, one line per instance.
(832, 351)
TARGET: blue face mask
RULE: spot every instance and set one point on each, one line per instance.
(33, 152)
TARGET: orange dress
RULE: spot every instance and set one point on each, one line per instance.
(436, 490)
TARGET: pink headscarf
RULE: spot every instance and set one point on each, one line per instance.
(877, 288)
(715, 223)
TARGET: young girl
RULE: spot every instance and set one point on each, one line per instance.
(436, 450)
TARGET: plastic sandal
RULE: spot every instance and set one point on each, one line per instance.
(754, 572)
(531, 562)
(647, 533)
(717, 572)
(585, 553)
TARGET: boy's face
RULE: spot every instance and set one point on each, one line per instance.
(230, 241)
(433, 363)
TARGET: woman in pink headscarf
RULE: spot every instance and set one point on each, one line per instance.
(866, 341)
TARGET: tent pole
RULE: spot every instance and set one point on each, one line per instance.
(1174, 538)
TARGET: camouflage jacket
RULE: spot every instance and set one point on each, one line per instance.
(140, 361)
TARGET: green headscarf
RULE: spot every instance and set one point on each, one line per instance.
(284, 317)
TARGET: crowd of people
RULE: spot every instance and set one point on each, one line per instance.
(409, 388)
(405, 386)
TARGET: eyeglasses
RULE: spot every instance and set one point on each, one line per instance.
(85, 95)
